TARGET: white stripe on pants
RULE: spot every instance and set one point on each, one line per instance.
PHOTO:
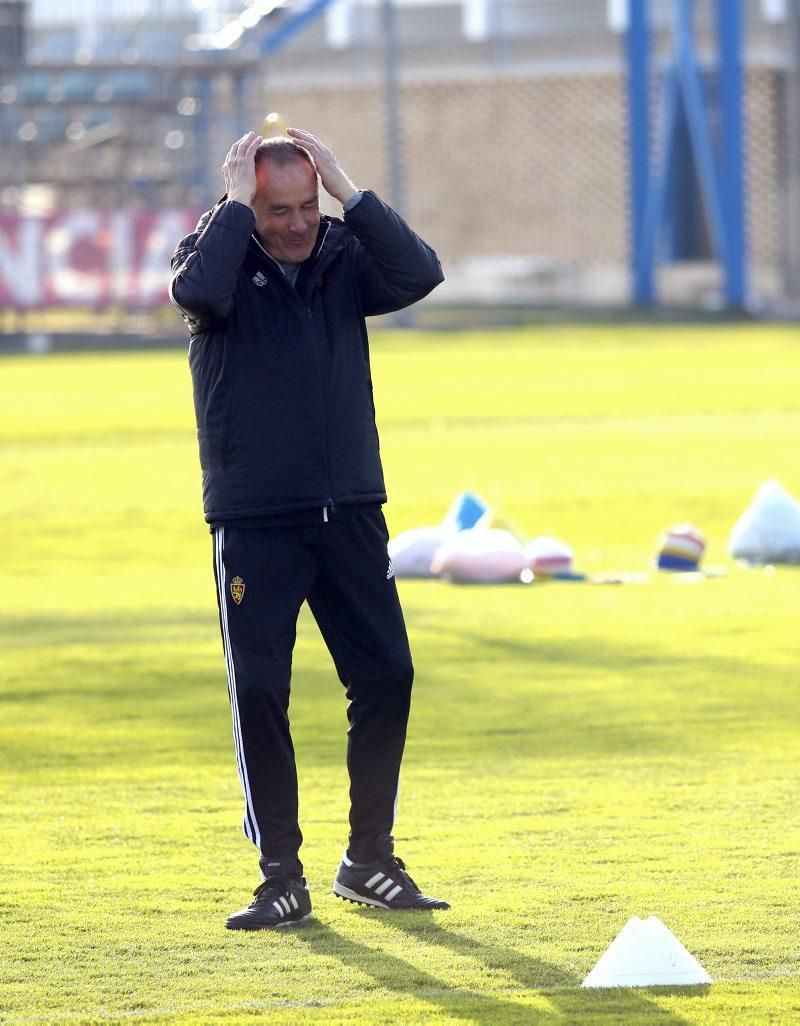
(250, 825)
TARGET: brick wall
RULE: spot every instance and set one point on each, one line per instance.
(530, 165)
(511, 165)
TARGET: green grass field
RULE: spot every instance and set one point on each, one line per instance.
(577, 755)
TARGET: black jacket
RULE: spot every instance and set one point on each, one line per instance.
(281, 375)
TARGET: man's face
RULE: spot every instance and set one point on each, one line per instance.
(286, 207)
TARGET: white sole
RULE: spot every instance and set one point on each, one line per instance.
(359, 899)
(293, 922)
(273, 926)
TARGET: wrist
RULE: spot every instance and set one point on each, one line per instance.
(345, 191)
(353, 202)
(238, 197)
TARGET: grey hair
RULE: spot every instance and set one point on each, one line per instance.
(281, 151)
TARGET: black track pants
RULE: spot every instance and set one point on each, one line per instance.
(342, 568)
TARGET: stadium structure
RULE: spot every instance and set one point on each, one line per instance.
(502, 129)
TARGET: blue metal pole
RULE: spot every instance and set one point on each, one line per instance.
(637, 43)
(729, 41)
(697, 120)
(292, 25)
(657, 192)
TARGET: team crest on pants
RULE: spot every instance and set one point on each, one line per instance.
(237, 590)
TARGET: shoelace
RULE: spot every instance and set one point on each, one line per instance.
(270, 890)
(399, 862)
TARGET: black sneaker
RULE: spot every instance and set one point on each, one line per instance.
(281, 900)
(383, 883)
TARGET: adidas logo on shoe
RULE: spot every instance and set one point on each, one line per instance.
(277, 903)
(383, 884)
(281, 900)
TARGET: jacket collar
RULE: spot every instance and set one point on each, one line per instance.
(331, 238)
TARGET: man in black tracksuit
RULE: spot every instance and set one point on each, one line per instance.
(275, 295)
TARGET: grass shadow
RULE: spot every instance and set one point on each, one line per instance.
(402, 978)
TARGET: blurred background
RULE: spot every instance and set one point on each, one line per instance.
(580, 155)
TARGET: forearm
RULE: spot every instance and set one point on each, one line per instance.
(206, 269)
(396, 266)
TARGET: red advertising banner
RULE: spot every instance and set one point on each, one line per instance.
(89, 258)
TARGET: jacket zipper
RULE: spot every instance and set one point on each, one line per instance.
(330, 504)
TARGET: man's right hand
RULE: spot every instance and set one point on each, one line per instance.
(239, 169)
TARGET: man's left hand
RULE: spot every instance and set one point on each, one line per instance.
(334, 180)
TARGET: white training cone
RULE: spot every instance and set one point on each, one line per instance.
(646, 954)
